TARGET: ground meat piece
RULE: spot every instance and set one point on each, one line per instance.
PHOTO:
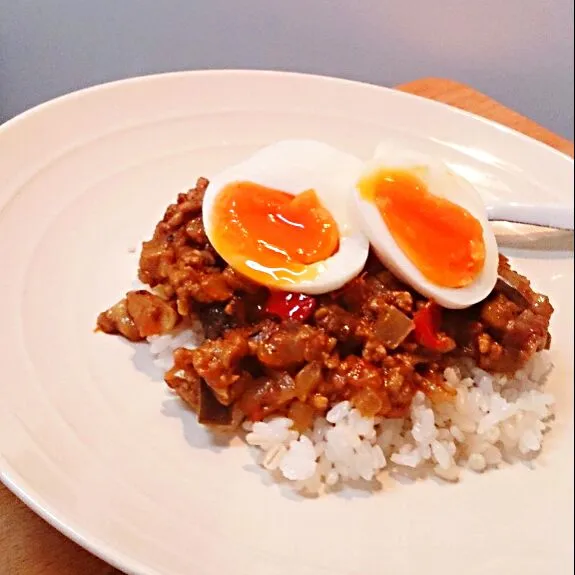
(510, 334)
(484, 343)
(228, 395)
(516, 280)
(196, 232)
(238, 282)
(117, 320)
(527, 332)
(218, 361)
(542, 306)
(151, 314)
(290, 344)
(211, 288)
(179, 255)
(267, 394)
(360, 382)
(379, 293)
(337, 322)
(522, 336)
(195, 196)
(388, 280)
(374, 351)
(198, 286)
(401, 381)
(170, 234)
(353, 295)
(506, 288)
(188, 205)
(183, 378)
(492, 357)
(371, 293)
(156, 258)
(357, 372)
(498, 312)
(402, 300)
(164, 291)
(196, 258)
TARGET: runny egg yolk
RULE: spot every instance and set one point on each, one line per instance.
(270, 236)
(442, 239)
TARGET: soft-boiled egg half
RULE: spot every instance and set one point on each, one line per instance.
(428, 225)
(282, 218)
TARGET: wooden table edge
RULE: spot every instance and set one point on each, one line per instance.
(459, 95)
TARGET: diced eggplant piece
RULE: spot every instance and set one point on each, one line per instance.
(211, 412)
(508, 288)
(185, 382)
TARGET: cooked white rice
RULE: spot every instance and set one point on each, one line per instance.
(493, 420)
(163, 346)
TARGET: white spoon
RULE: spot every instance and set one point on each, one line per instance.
(548, 215)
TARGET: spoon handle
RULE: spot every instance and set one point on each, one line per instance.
(556, 216)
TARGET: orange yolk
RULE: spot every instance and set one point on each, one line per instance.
(270, 236)
(443, 240)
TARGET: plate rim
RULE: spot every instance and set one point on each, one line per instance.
(144, 78)
(9, 477)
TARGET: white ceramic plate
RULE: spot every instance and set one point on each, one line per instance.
(89, 436)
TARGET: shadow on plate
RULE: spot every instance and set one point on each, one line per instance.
(351, 490)
(196, 435)
(143, 361)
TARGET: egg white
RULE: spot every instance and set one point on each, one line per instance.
(294, 166)
(441, 182)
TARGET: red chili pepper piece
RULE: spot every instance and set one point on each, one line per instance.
(287, 305)
(427, 322)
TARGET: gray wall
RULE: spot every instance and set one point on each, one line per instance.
(518, 51)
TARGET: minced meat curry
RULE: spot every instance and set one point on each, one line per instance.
(375, 342)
